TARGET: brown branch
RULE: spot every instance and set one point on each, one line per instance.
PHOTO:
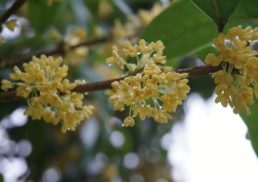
(102, 85)
(92, 42)
(199, 70)
(16, 5)
(9, 97)
(58, 50)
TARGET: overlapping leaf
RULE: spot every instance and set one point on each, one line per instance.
(183, 28)
(218, 10)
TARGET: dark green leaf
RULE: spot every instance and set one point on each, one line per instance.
(252, 124)
(246, 14)
(218, 10)
(1, 178)
(18, 45)
(197, 85)
(183, 28)
(202, 53)
(93, 5)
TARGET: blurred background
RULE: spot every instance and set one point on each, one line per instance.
(203, 142)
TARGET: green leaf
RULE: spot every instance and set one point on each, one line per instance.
(93, 5)
(16, 46)
(197, 85)
(204, 51)
(40, 15)
(1, 178)
(252, 124)
(246, 14)
(183, 28)
(218, 10)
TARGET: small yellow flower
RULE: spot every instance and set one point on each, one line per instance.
(135, 23)
(104, 9)
(75, 56)
(11, 24)
(6, 85)
(143, 54)
(129, 122)
(54, 35)
(146, 16)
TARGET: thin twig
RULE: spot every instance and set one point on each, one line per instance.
(92, 42)
(58, 50)
(16, 5)
(199, 70)
(61, 49)
(103, 85)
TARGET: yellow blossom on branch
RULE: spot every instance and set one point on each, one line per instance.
(49, 94)
(135, 23)
(146, 16)
(154, 91)
(237, 81)
(144, 54)
(72, 56)
(75, 56)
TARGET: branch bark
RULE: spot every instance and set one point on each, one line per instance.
(16, 5)
(57, 50)
(103, 85)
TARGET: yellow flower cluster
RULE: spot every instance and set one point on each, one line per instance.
(145, 54)
(104, 9)
(49, 95)
(75, 56)
(136, 23)
(146, 16)
(238, 78)
(154, 91)
(75, 36)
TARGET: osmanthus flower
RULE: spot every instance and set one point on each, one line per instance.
(75, 56)
(151, 89)
(104, 9)
(49, 94)
(132, 28)
(74, 37)
(238, 78)
(135, 23)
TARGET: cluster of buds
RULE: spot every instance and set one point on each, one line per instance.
(78, 55)
(73, 56)
(151, 89)
(238, 78)
(49, 94)
(135, 23)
